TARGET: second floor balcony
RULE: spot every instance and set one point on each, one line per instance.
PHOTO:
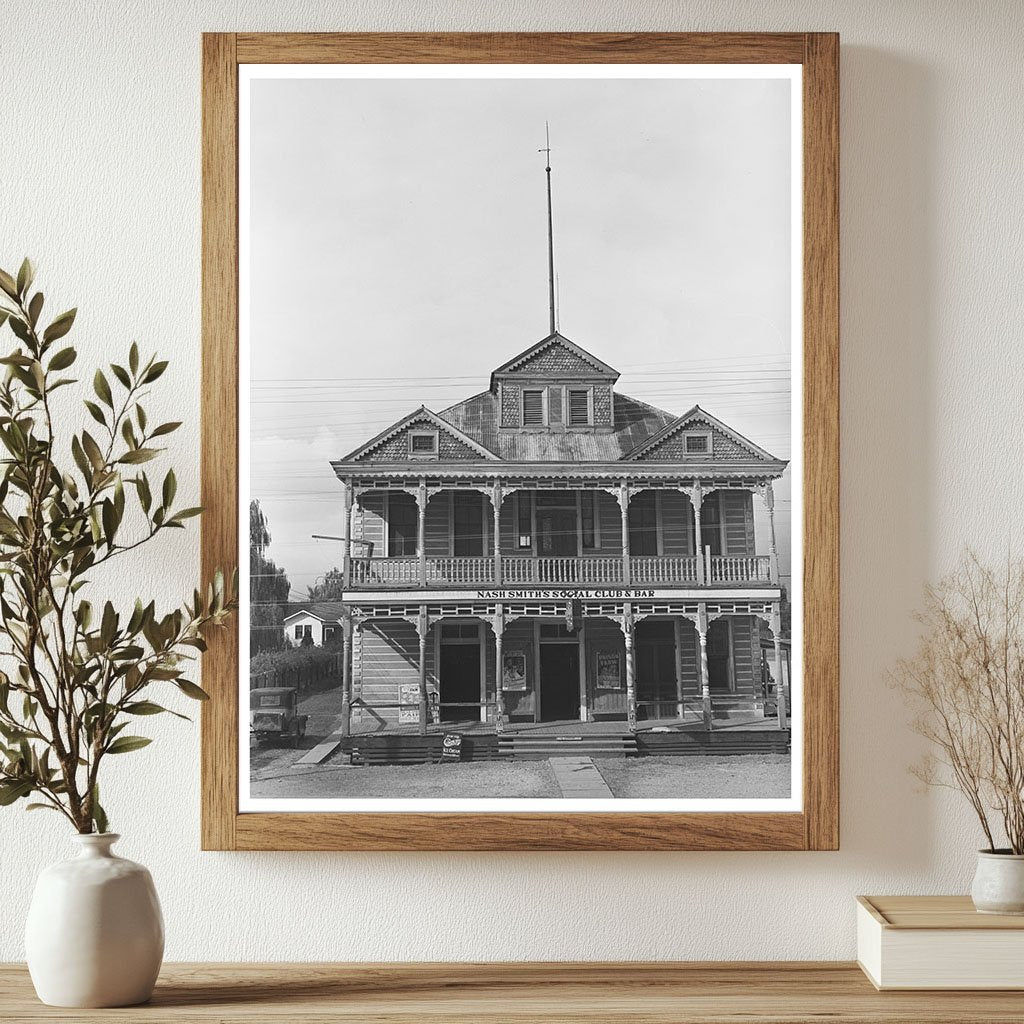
(684, 571)
(553, 539)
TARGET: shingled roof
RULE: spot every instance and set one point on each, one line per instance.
(635, 422)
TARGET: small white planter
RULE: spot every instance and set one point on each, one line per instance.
(95, 934)
(999, 883)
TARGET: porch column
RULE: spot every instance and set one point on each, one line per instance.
(496, 502)
(696, 496)
(422, 628)
(680, 706)
(346, 538)
(624, 506)
(421, 530)
(346, 676)
(498, 623)
(705, 680)
(780, 689)
(627, 631)
(768, 493)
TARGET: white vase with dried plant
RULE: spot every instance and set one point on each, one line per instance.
(966, 682)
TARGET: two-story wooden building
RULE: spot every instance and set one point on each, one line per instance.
(551, 549)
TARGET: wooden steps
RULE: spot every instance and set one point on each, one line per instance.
(414, 749)
(690, 742)
(540, 748)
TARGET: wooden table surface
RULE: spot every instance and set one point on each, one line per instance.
(837, 993)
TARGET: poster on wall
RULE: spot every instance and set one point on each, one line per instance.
(515, 338)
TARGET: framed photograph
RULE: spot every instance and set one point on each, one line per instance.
(520, 417)
(513, 670)
(607, 670)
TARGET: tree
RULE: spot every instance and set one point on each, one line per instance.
(268, 587)
(72, 501)
(331, 587)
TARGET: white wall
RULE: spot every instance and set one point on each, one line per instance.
(99, 181)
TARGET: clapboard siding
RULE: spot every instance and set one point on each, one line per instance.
(610, 518)
(435, 526)
(743, 664)
(688, 647)
(372, 506)
(389, 659)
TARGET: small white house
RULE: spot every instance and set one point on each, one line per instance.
(321, 623)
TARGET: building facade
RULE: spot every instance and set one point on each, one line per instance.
(553, 550)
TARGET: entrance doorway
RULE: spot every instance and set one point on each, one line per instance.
(559, 682)
(459, 672)
(720, 656)
(656, 688)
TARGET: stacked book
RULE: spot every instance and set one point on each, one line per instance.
(938, 942)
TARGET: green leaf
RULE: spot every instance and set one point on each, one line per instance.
(102, 388)
(40, 807)
(92, 449)
(126, 744)
(145, 497)
(191, 690)
(60, 326)
(99, 816)
(63, 359)
(26, 274)
(170, 488)
(20, 329)
(8, 284)
(14, 790)
(35, 307)
(185, 513)
(121, 374)
(139, 455)
(154, 372)
(133, 358)
(128, 433)
(166, 428)
(95, 412)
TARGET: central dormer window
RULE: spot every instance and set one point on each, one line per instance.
(579, 407)
(423, 444)
(533, 408)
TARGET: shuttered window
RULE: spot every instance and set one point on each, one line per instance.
(533, 408)
(579, 407)
(554, 405)
(643, 524)
(468, 524)
(402, 525)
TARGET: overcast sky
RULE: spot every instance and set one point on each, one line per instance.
(398, 254)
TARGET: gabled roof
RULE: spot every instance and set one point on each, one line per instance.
(418, 416)
(325, 611)
(697, 414)
(596, 367)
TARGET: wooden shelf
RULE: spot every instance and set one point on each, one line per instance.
(660, 993)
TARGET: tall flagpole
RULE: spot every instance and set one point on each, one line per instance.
(551, 239)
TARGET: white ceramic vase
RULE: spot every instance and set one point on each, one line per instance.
(999, 883)
(95, 934)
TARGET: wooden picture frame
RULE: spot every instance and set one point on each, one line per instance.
(816, 826)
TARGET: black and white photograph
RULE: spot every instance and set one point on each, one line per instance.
(520, 430)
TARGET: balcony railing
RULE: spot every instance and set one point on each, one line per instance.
(519, 571)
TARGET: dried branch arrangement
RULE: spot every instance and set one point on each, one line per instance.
(79, 671)
(967, 683)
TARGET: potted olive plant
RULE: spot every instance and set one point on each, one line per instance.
(966, 682)
(79, 672)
